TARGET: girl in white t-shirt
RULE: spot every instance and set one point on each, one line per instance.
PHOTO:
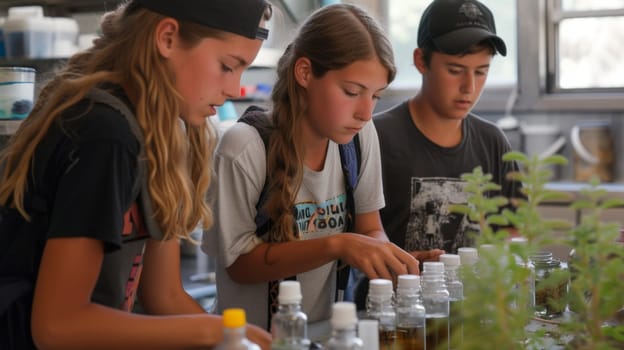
(328, 82)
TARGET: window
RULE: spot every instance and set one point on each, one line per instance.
(404, 17)
(585, 45)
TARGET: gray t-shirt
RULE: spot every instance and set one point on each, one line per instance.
(240, 164)
(422, 179)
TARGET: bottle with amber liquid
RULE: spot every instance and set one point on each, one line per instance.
(379, 306)
(410, 311)
(436, 301)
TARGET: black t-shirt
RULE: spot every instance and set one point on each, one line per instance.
(82, 176)
(422, 179)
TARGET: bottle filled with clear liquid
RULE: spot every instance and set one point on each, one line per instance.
(455, 288)
(343, 322)
(379, 306)
(289, 323)
(436, 301)
(411, 315)
(234, 336)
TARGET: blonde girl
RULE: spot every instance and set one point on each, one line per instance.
(69, 175)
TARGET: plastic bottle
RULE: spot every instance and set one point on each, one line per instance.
(468, 256)
(468, 259)
(289, 324)
(519, 244)
(411, 315)
(436, 301)
(379, 307)
(234, 337)
(368, 331)
(456, 295)
(343, 324)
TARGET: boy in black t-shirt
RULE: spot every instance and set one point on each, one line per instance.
(428, 141)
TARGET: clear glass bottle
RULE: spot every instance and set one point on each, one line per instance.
(436, 301)
(549, 297)
(234, 327)
(456, 296)
(289, 324)
(343, 323)
(411, 315)
(379, 306)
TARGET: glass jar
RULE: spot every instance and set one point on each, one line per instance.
(551, 285)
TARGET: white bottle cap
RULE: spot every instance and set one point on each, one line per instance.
(289, 292)
(519, 240)
(468, 255)
(408, 282)
(380, 288)
(450, 259)
(368, 331)
(487, 247)
(343, 315)
(432, 268)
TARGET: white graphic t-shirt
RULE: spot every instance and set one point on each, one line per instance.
(240, 163)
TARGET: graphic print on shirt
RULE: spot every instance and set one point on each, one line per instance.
(134, 236)
(431, 225)
(329, 216)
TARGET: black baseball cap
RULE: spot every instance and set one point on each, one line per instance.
(453, 26)
(240, 17)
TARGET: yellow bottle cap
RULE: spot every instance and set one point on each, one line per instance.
(234, 318)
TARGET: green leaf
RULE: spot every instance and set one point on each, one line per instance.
(612, 203)
(556, 160)
(515, 156)
(497, 220)
(460, 209)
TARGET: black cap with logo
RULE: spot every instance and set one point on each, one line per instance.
(240, 17)
(453, 26)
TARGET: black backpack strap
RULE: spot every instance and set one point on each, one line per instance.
(350, 159)
(257, 117)
(140, 188)
(104, 97)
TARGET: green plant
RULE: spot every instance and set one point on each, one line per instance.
(498, 304)
(597, 287)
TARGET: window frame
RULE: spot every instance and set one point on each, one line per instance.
(536, 75)
(536, 43)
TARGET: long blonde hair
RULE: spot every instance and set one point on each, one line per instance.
(178, 158)
(331, 38)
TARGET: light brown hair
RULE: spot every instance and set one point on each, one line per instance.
(332, 38)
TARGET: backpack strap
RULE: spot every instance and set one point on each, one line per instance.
(257, 117)
(140, 188)
(350, 158)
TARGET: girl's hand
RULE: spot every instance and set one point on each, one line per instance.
(259, 336)
(374, 257)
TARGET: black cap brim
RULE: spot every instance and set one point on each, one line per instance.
(240, 17)
(458, 41)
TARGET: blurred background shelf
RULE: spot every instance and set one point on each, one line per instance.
(63, 7)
